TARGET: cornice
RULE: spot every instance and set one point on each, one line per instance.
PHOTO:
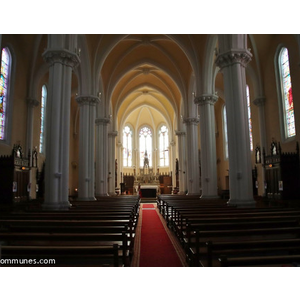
(206, 99)
(61, 56)
(232, 57)
(102, 121)
(87, 100)
(191, 121)
(260, 101)
(33, 102)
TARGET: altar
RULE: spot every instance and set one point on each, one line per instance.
(149, 191)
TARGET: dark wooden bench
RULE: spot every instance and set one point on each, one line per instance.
(247, 248)
(60, 256)
(194, 245)
(274, 260)
(70, 240)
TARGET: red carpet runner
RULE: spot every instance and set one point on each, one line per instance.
(156, 249)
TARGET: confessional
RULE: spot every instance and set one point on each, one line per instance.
(282, 173)
(14, 175)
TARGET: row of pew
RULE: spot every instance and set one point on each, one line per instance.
(96, 233)
(214, 234)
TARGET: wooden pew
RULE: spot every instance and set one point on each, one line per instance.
(214, 250)
(69, 239)
(60, 256)
(194, 245)
(258, 261)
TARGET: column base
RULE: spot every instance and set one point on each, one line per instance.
(242, 203)
(57, 206)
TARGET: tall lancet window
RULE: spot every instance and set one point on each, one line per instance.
(43, 119)
(127, 147)
(145, 142)
(249, 117)
(163, 146)
(286, 94)
(225, 135)
(4, 88)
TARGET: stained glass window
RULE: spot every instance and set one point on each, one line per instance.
(127, 147)
(43, 111)
(4, 82)
(249, 117)
(163, 146)
(287, 95)
(145, 140)
(225, 133)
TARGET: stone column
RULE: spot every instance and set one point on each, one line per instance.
(209, 181)
(86, 172)
(120, 162)
(32, 103)
(61, 62)
(172, 163)
(192, 155)
(111, 161)
(101, 156)
(260, 103)
(232, 61)
(181, 161)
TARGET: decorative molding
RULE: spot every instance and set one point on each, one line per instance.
(260, 101)
(102, 121)
(61, 56)
(179, 133)
(113, 133)
(232, 57)
(32, 102)
(191, 121)
(206, 99)
(87, 100)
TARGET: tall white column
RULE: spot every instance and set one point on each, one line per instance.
(61, 63)
(32, 103)
(86, 172)
(120, 162)
(232, 61)
(101, 156)
(209, 181)
(111, 161)
(260, 103)
(172, 163)
(192, 155)
(181, 161)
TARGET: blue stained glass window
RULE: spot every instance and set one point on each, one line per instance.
(4, 81)
(287, 95)
(127, 147)
(163, 146)
(43, 111)
(145, 141)
(249, 118)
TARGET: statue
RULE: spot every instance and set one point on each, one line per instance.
(146, 160)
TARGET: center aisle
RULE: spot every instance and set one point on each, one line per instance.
(157, 245)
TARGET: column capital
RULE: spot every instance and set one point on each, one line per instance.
(179, 133)
(234, 56)
(191, 121)
(260, 101)
(61, 56)
(113, 133)
(87, 100)
(206, 99)
(32, 102)
(103, 121)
